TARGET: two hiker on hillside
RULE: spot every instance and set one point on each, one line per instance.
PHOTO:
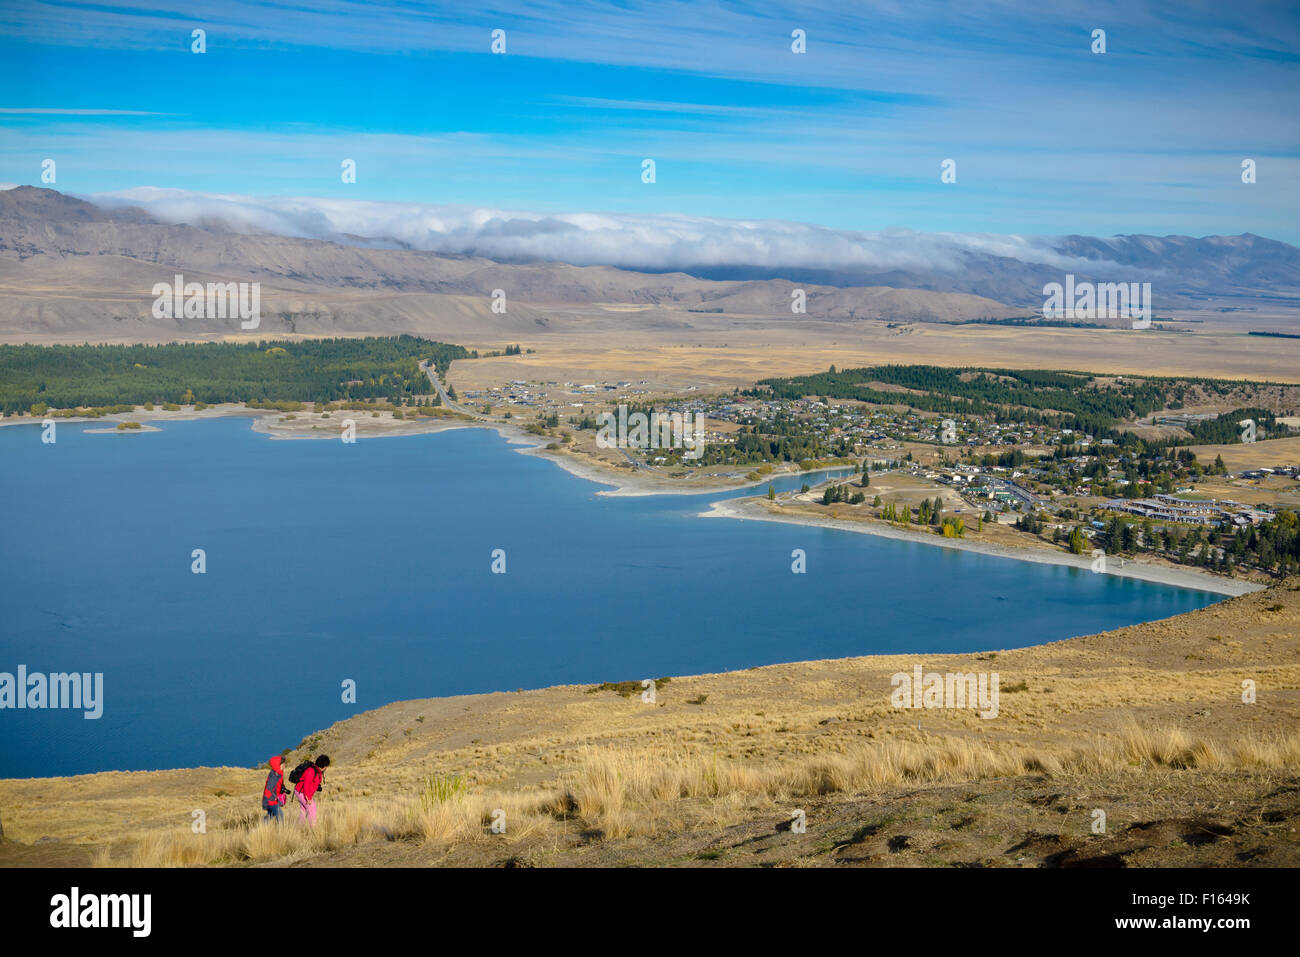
(307, 779)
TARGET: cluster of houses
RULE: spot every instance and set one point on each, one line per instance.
(866, 428)
(992, 486)
(858, 426)
(1279, 471)
(1170, 508)
(1185, 420)
(517, 392)
(885, 428)
(520, 392)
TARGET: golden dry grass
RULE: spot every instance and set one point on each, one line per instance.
(618, 795)
(1239, 456)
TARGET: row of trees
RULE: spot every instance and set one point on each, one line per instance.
(1273, 546)
(983, 391)
(313, 370)
(842, 493)
(928, 513)
(1227, 427)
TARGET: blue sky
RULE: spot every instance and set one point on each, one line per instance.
(1048, 137)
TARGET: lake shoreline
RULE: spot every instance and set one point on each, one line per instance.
(1100, 695)
(634, 485)
(637, 483)
(1156, 574)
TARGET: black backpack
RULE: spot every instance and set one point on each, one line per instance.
(296, 774)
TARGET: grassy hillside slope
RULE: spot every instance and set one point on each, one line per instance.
(1145, 724)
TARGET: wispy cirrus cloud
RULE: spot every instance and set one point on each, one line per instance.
(54, 111)
(1047, 136)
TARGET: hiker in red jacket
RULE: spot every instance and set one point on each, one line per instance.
(273, 794)
(309, 782)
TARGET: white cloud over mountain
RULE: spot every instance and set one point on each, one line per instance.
(654, 242)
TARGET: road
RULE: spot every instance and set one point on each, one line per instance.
(442, 394)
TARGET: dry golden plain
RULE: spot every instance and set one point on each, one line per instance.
(722, 353)
(1266, 452)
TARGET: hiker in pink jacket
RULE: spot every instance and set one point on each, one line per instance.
(311, 779)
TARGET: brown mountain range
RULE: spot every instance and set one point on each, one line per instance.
(71, 271)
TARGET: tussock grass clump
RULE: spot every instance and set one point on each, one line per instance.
(626, 688)
(622, 794)
(443, 788)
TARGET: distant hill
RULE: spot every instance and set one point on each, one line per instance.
(72, 270)
(1223, 273)
(1184, 271)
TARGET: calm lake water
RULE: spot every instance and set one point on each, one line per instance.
(371, 562)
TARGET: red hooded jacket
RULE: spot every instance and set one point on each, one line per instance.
(310, 781)
(273, 793)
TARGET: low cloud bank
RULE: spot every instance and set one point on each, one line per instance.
(650, 242)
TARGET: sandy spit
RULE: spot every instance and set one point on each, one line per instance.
(1178, 577)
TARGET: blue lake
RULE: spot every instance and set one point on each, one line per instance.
(372, 562)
